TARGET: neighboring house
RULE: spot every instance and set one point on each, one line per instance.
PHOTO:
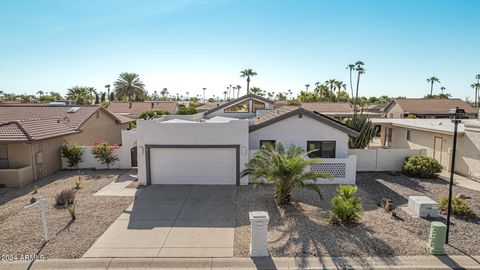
(134, 109)
(31, 137)
(209, 106)
(436, 136)
(427, 108)
(337, 110)
(213, 147)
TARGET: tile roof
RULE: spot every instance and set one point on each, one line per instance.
(24, 123)
(209, 105)
(328, 107)
(431, 106)
(237, 100)
(136, 108)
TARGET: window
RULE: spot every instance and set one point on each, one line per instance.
(257, 105)
(3, 156)
(408, 135)
(325, 149)
(265, 142)
(242, 107)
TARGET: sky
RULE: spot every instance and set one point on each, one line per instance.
(186, 45)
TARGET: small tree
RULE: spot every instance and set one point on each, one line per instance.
(105, 153)
(366, 128)
(73, 153)
(285, 168)
(152, 114)
(346, 208)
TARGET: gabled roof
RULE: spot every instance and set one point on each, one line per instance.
(430, 105)
(277, 115)
(329, 107)
(27, 123)
(136, 108)
(240, 99)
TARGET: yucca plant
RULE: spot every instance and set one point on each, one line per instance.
(366, 128)
(285, 168)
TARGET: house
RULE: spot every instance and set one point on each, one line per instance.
(209, 106)
(31, 137)
(337, 110)
(436, 136)
(213, 147)
(427, 108)
(134, 109)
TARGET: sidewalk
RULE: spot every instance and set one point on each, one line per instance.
(460, 181)
(413, 262)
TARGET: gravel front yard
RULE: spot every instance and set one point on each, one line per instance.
(21, 229)
(303, 229)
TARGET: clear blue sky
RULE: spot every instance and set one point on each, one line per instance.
(186, 45)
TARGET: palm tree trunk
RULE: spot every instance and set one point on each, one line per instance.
(431, 89)
(356, 94)
(248, 85)
(476, 96)
(351, 86)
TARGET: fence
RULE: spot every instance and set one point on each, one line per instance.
(380, 159)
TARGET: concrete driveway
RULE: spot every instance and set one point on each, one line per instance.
(173, 221)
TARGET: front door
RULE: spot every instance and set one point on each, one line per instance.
(437, 148)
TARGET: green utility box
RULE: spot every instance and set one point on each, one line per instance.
(436, 240)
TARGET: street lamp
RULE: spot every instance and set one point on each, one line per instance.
(456, 115)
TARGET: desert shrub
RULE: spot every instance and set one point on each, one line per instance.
(71, 210)
(459, 207)
(73, 153)
(421, 166)
(187, 110)
(152, 114)
(78, 183)
(65, 197)
(105, 153)
(346, 208)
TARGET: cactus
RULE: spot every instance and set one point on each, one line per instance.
(366, 128)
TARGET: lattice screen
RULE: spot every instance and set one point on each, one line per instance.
(337, 170)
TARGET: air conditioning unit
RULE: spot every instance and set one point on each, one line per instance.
(423, 206)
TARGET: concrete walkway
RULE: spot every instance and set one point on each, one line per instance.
(120, 186)
(172, 221)
(461, 181)
(414, 262)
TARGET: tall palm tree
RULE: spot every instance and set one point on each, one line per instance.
(360, 70)
(187, 94)
(339, 85)
(256, 91)
(476, 86)
(442, 89)
(164, 93)
(351, 68)
(204, 93)
(248, 73)
(307, 86)
(130, 86)
(238, 90)
(82, 95)
(40, 94)
(285, 168)
(233, 91)
(224, 95)
(432, 80)
(331, 83)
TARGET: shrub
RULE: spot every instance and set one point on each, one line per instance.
(65, 197)
(73, 153)
(105, 153)
(152, 114)
(78, 183)
(459, 207)
(187, 110)
(71, 210)
(346, 208)
(421, 166)
(35, 189)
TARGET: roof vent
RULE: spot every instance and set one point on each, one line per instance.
(73, 110)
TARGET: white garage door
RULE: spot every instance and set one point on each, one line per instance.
(193, 166)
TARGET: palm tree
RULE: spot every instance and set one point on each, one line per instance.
(130, 86)
(360, 70)
(238, 90)
(285, 168)
(187, 94)
(164, 93)
(247, 73)
(307, 86)
(40, 94)
(256, 91)
(339, 85)
(476, 86)
(442, 89)
(204, 93)
(224, 95)
(233, 91)
(432, 80)
(351, 67)
(331, 84)
(81, 94)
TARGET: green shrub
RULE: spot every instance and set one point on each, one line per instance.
(459, 207)
(73, 153)
(421, 166)
(187, 110)
(346, 208)
(65, 197)
(152, 114)
(105, 153)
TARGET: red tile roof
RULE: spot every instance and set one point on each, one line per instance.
(329, 107)
(431, 106)
(34, 129)
(136, 108)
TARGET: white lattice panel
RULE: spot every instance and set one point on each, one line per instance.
(336, 170)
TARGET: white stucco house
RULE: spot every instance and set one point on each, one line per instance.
(212, 147)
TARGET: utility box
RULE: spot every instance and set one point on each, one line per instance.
(259, 234)
(423, 206)
(436, 239)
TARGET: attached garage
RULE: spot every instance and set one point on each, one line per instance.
(193, 164)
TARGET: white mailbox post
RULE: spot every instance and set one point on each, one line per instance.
(258, 238)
